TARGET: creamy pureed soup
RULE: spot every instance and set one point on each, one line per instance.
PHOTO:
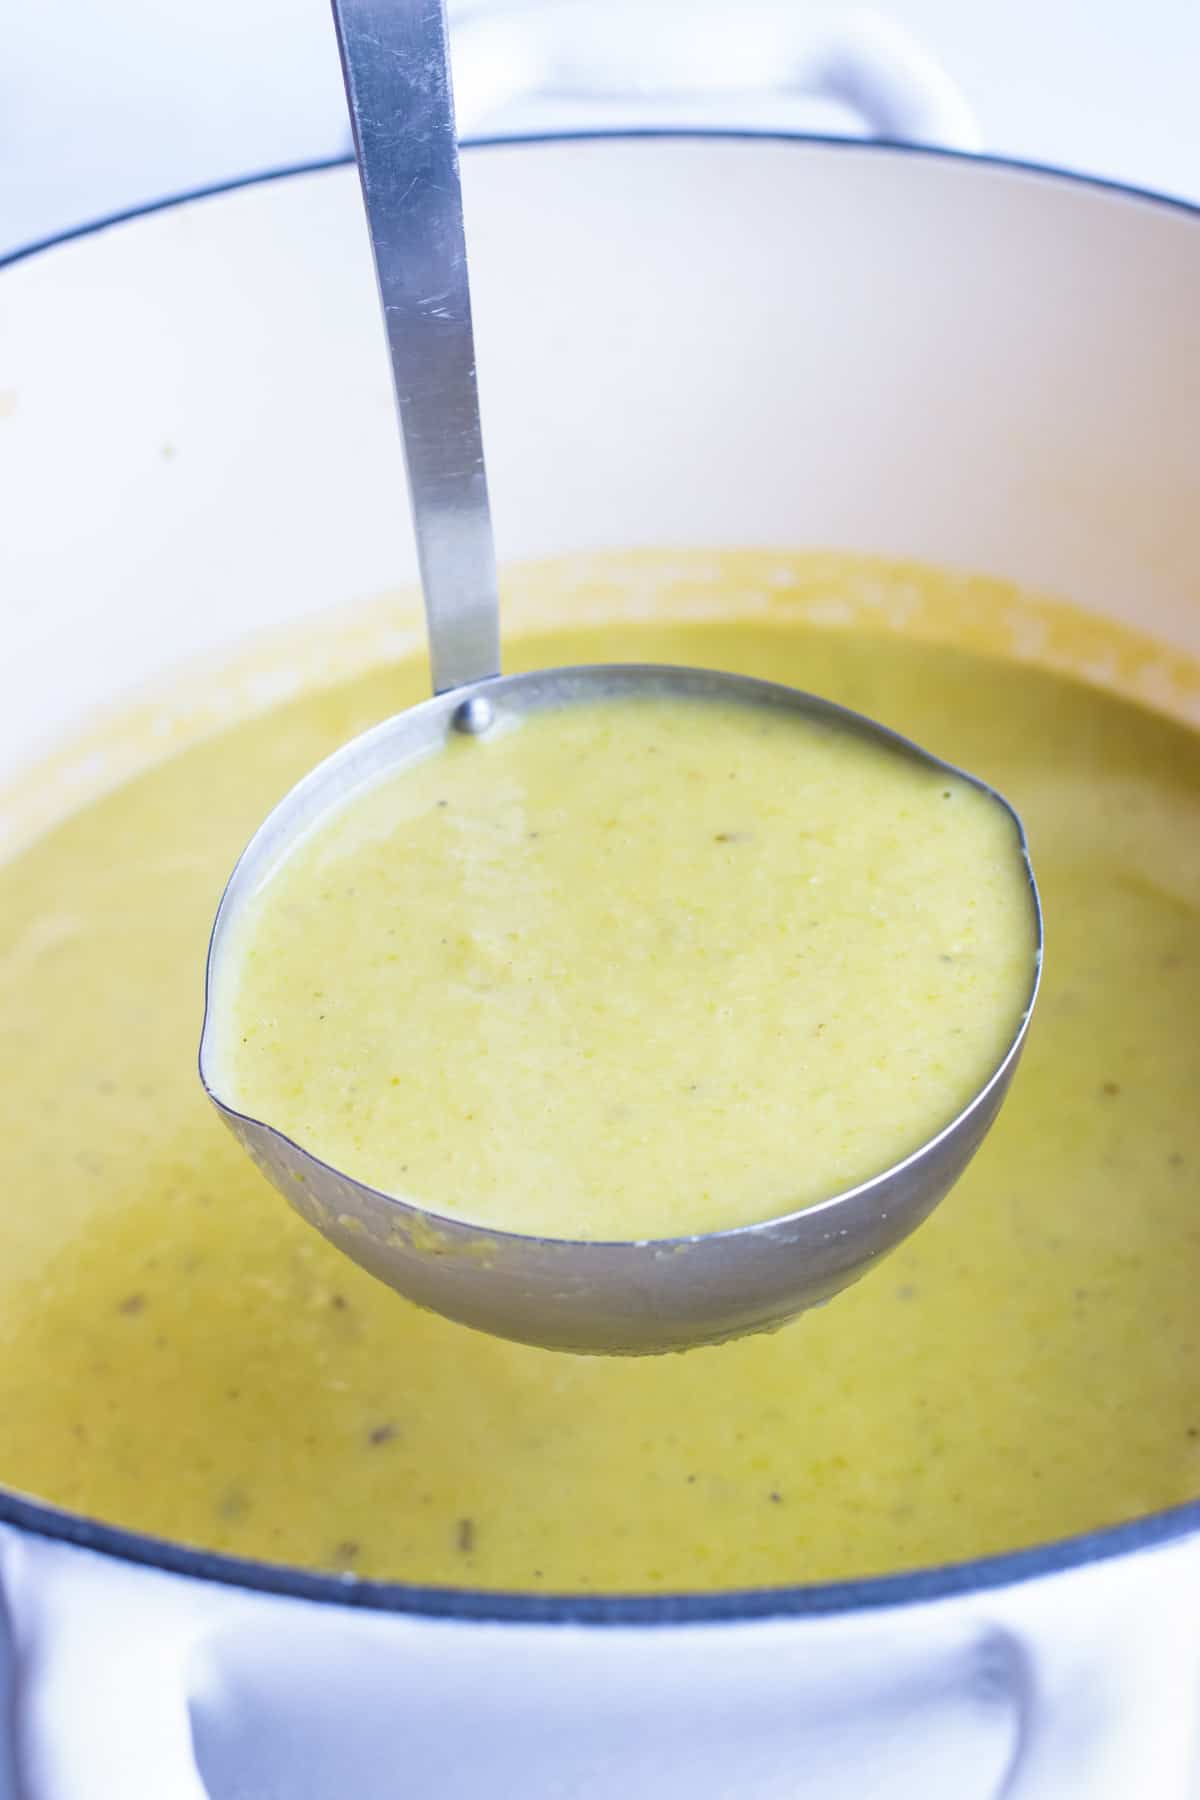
(181, 1354)
(630, 969)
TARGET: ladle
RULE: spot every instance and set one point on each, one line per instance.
(583, 1296)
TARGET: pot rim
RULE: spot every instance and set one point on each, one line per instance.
(1052, 172)
(735, 1606)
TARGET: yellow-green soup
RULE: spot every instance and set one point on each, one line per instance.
(181, 1354)
(633, 969)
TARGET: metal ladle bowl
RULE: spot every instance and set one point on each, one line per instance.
(587, 1296)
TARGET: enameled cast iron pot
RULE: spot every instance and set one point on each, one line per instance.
(745, 340)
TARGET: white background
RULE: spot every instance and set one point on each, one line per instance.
(105, 104)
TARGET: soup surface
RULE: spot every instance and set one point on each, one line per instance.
(632, 969)
(179, 1353)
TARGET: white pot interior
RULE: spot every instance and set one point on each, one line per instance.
(685, 342)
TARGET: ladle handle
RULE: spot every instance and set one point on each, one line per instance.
(396, 64)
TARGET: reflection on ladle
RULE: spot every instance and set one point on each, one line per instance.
(655, 1293)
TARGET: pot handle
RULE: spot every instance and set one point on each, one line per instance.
(593, 53)
(100, 1655)
(1106, 1690)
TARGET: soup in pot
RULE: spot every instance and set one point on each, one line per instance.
(182, 1355)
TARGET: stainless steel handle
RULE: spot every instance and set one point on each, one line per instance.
(396, 65)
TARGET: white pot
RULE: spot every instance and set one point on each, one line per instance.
(687, 340)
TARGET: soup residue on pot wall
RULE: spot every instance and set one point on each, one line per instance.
(183, 1356)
